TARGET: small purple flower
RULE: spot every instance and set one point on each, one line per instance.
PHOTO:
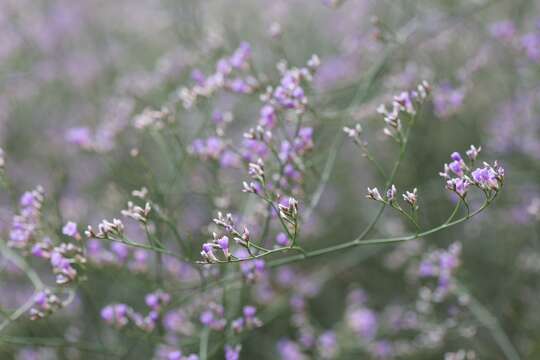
(241, 56)
(223, 243)
(249, 311)
(282, 239)
(223, 67)
(120, 250)
(473, 152)
(80, 136)
(268, 117)
(486, 177)
(208, 252)
(457, 168)
(232, 353)
(289, 350)
(70, 229)
(198, 76)
(364, 322)
(459, 186)
(206, 318)
(503, 30)
(456, 156)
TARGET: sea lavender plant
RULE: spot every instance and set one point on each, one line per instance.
(248, 208)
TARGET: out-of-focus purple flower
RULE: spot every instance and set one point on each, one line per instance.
(116, 314)
(327, 345)
(268, 117)
(364, 322)
(198, 76)
(120, 250)
(80, 136)
(213, 317)
(447, 100)
(70, 229)
(486, 177)
(289, 350)
(232, 352)
(241, 56)
(25, 224)
(504, 30)
(157, 299)
(282, 239)
(441, 264)
(531, 45)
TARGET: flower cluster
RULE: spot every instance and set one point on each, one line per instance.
(232, 352)
(120, 315)
(106, 230)
(222, 78)
(290, 94)
(441, 264)
(214, 317)
(390, 198)
(252, 270)
(489, 178)
(26, 223)
(222, 243)
(248, 321)
(404, 103)
(63, 258)
(137, 213)
(526, 43)
(45, 303)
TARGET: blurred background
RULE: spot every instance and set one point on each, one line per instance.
(75, 77)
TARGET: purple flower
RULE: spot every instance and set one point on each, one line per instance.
(268, 117)
(79, 136)
(426, 269)
(213, 317)
(198, 76)
(503, 30)
(327, 345)
(282, 239)
(249, 311)
(457, 168)
(116, 314)
(447, 100)
(241, 56)
(223, 67)
(289, 350)
(232, 353)
(70, 229)
(459, 186)
(456, 156)
(364, 322)
(486, 177)
(120, 250)
(531, 45)
(206, 318)
(223, 243)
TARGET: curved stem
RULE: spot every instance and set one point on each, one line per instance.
(360, 242)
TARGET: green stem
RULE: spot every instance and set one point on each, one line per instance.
(203, 346)
(359, 242)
